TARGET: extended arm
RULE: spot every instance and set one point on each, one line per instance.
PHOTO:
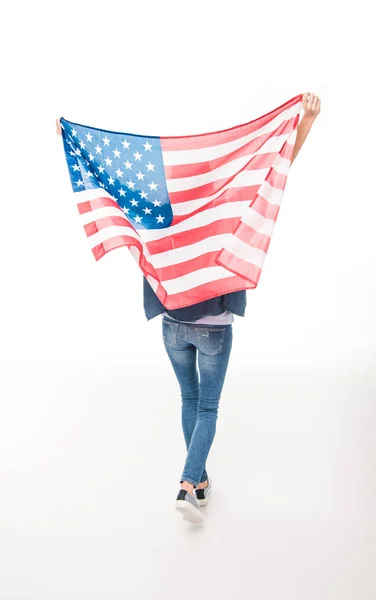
(311, 106)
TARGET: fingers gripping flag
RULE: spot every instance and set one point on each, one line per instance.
(197, 212)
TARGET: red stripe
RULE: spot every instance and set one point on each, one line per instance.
(244, 232)
(287, 150)
(100, 202)
(206, 291)
(234, 194)
(190, 236)
(214, 187)
(124, 240)
(187, 266)
(220, 227)
(253, 238)
(276, 180)
(239, 266)
(264, 208)
(191, 170)
(99, 224)
(223, 136)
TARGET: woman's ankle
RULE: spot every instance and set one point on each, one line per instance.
(202, 484)
(187, 486)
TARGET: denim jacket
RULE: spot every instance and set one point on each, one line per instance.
(233, 301)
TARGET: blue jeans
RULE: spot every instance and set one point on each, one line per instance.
(211, 345)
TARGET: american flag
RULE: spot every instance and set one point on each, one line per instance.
(197, 212)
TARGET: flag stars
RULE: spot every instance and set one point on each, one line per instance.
(111, 163)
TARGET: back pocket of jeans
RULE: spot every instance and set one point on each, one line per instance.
(210, 339)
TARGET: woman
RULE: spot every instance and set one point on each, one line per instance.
(203, 333)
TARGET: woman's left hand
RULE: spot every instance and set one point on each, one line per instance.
(311, 105)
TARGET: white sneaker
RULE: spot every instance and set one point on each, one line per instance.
(188, 505)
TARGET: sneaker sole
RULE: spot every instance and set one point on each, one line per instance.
(204, 501)
(189, 512)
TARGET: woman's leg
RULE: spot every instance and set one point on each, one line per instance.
(183, 357)
(214, 347)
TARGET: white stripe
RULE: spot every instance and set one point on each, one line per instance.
(191, 251)
(91, 194)
(242, 179)
(185, 157)
(249, 254)
(101, 213)
(108, 233)
(191, 280)
(214, 242)
(223, 211)
(246, 178)
(261, 224)
(231, 168)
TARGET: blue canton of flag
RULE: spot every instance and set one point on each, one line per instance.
(129, 167)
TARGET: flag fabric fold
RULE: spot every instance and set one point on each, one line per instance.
(197, 212)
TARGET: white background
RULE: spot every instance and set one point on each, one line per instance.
(90, 437)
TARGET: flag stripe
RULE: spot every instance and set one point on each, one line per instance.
(270, 145)
(228, 136)
(226, 170)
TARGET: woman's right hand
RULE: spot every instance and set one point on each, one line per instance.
(58, 126)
